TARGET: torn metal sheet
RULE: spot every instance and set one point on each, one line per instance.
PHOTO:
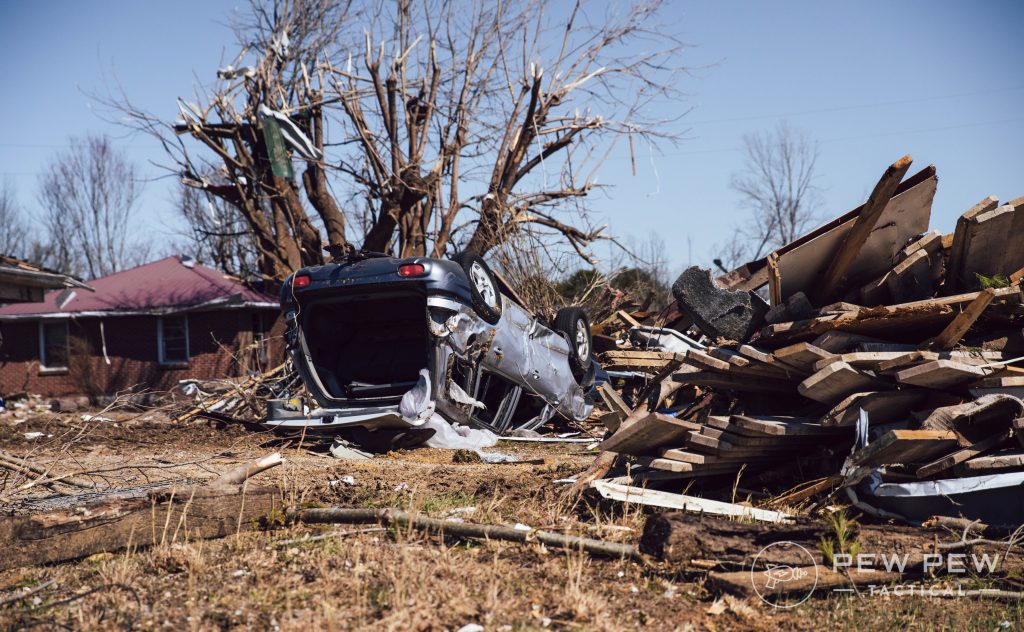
(995, 499)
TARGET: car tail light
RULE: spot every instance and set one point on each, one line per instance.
(301, 280)
(411, 269)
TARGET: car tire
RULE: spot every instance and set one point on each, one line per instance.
(573, 322)
(483, 286)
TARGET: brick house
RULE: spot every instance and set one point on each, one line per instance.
(143, 328)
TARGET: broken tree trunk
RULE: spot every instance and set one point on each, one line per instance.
(159, 518)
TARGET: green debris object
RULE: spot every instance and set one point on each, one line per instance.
(280, 159)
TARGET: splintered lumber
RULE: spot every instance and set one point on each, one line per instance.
(962, 455)
(648, 434)
(956, 330)
(642, 361)
(940, 374)
(802, 355)
(1001, 461)
(641, 496)
(733, 382)
(836, 381)
(913, 319)
(906, 446)
(68, 534)
(839, 265)
(882, 406)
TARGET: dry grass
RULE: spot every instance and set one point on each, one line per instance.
(398, 579)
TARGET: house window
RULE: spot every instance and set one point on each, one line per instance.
(53, 345)
(172, 338)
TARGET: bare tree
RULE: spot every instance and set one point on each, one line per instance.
(13, 228)
(435, 124)
(778, 188)
(88, 195)
(218, 234)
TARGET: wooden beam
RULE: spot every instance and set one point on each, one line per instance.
(906, 446)
(956, 330)
(960, 456)
(648, 434)
(774, 281)
(835, 274)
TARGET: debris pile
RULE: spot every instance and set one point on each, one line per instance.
(871, 355)
(243, 400)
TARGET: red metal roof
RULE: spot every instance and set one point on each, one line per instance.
(162, 285)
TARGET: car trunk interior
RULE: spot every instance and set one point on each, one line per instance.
(368, 346)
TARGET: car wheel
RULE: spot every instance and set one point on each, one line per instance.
(573, 322)
(482, 286)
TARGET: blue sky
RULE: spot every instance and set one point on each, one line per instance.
(870, 81)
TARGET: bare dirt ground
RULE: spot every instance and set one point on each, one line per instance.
(368, 577)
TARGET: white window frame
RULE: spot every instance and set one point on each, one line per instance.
(160, 343)
(42, 345)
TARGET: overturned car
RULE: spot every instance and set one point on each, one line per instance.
(386, 343)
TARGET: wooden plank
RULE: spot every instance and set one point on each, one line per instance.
(843, 258)
(782, 426)
(749, 441)
(911, 280)
(769, 359)
(702, 360)
(741, 365)
(956, 330)
(955, 270)
(906, 446)
(836, 341)
(1015, 391)
(802, 355)
(882, 406)
(1001, 382)
(774, 280)
(836, 381)
(613, 401)
(648, 434)
(733, 382)
(962, 455)
(974, 358)
(1012, 459)
(867, 360)
(678, 454)
(941, 374)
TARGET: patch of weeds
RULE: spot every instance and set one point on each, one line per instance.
(842, 539)
(994, 282)
(446, 500)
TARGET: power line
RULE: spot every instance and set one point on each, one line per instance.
(861, 106)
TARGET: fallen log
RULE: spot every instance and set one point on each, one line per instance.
(397, 517)
(68, 534)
